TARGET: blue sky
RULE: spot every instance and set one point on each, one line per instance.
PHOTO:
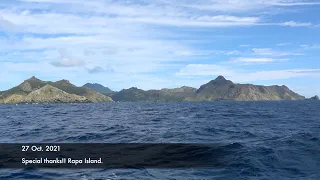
(161, 43)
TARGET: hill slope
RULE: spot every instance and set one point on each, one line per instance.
(61, 91)
(215, 90)
(314, 98)
(93, 96)
(35, 90)
(222, 89)
(134, 94)
(99, 88)
(25, 87)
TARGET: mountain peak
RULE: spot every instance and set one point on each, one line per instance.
(133, 88)
(31, 84)
(220, 78)
(63, 81)
(33, 78)
(98, 88)
(93, 84)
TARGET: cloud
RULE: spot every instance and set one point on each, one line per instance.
(294, 3)
(263, 55)
(243, 5)
(227, 18)
(66, 62)
(310, 46)
(296, 24)
(283, 44)
(275, 75)
(99, 69)
(244, 45)
(7, 25)
(105, 17)
(204, 70)
(306, 71)
(202, 21)
(8, 28)
(153, 38)
(88, 52)
(271, 52)
(250, 60)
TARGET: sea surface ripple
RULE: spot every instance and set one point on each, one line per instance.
(263, 140)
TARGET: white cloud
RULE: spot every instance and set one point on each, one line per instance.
(105, 17)
(66, 62)
(244, 45)
(226, 18)
(7, 25)
(131, 37)
(271, 52)
(310, 46)
(275, 75)
(294, 3)
(250, 60)
(204, 70)
(283, 44)
(305, 71)
(296, 24)
(243, 5)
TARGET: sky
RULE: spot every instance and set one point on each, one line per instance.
(161, 43)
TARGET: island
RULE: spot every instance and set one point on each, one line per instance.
(34, 90)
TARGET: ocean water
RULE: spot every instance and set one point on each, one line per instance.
(263, 140)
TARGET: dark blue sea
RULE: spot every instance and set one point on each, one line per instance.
(264, 140)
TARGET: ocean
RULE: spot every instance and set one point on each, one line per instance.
(263, 140)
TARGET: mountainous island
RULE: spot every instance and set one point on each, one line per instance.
(314, 98)
(215, 90)
(34, 90)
